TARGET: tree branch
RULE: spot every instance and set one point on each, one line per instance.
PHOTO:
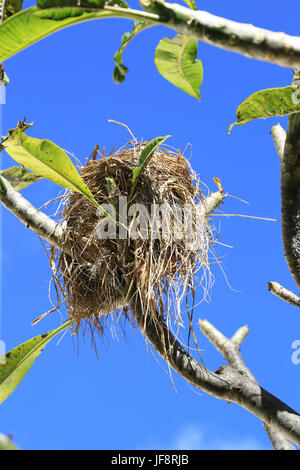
(212, 202)
(279, 138)
(277, 440)
(250, 41)
(246, 39)
(34, 219)
(253, 42)
(230, 349)
(54, 232)
(284, 294)
(290, 194)
(2, 6)
(226, 383)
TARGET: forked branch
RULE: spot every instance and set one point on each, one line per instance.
(230, 350)
(226, 383)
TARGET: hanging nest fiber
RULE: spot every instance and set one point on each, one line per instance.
(166, 268)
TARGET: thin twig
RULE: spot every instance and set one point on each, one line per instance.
(246, 216)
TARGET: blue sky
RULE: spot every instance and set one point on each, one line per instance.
(125, 400)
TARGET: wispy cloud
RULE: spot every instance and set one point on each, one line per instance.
(191, 437)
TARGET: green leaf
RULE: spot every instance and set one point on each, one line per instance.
(191, 4)
(6, 443)
(19, 177)
(33, 24)
(47, 160)
(120, 69)
(268, 103)
(15, 364)
(176, 60)
(45, 4)
(145, 156)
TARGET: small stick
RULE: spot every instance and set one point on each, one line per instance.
(246, 216)
(94, 152)
(122, 124)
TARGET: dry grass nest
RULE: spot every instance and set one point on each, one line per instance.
(166, 269)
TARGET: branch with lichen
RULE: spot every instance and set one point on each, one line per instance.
(34, 219)
(230, 350)
(226, 383)
(54, 232)
(246, 39)
(284, 294)
(2, 6)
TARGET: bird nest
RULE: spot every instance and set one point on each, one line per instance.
(162, 242)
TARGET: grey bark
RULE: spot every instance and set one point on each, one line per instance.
(2, 6)
(277, 440)
(226, 383)
(253, 42)
(284, 294)
(230, 349)
(246, 39)
(34, 219)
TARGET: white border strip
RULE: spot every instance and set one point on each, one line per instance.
(2, 343)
